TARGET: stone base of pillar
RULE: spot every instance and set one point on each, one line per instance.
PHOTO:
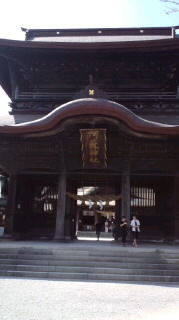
(59, 238)
(68, 238)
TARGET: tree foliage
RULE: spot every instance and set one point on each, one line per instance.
(171, 6)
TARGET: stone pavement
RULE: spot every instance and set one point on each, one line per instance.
(151, 246)
(72, 300)
(28, 299)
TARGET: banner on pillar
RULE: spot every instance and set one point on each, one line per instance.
(93, 148)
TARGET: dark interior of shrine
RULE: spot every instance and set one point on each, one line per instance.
(151, 199)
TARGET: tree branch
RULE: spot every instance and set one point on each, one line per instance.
(174, 7)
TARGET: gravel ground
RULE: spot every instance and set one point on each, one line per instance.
(27, 299)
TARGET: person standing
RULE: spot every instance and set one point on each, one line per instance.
(98, 230)
(113, 229)
(124, 229)
(135, 225)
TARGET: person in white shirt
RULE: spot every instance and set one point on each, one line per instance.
(135, 225)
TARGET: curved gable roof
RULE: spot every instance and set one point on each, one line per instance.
(91, 107)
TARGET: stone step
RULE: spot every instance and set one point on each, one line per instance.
(94, 258)
(91, 263)
(113, 252)
(84, 253)
(169, 256)
(67, 269)
(110, 251)
(80, 253)
(91, 276)
(164, 266)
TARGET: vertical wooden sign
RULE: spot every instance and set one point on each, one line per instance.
(93, 148)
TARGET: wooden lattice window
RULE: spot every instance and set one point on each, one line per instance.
(45, 199)
(142, 197)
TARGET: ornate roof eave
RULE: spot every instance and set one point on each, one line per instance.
(152, 45)
(94, 107)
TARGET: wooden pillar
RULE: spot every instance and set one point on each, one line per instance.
(176, 213)
(11, 205)
(70, 216)
(125, 209)
(117, 213)
(74, 214)
(77, 220)
(61, 205)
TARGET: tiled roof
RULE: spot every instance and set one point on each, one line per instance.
(99, 35)
(100, 39)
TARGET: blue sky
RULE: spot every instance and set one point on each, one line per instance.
(79, 14)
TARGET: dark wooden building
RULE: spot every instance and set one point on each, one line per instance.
(94, 126)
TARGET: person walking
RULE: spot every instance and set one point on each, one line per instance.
(124, 229)
(135, 225)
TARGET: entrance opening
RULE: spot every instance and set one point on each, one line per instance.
(96, 209)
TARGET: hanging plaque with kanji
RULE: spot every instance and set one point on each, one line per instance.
(93, 148)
